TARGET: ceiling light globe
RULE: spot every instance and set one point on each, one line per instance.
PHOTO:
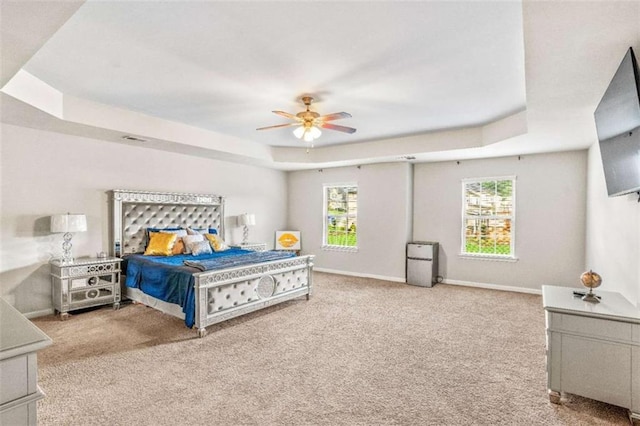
(315, 132)
(308, 137)
(298, 132)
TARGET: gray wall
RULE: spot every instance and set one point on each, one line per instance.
(384, 217)
(613, 234)
(45, 173)
(550, 218)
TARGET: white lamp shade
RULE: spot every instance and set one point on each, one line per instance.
(247, 219)
(68, 223)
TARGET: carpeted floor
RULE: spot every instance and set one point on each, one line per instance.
(360, 352)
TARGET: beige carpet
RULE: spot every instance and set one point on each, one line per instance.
(360, 352)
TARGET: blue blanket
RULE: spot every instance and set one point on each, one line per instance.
(167, 278)
(237, 260)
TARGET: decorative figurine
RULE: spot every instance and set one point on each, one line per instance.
(591, 280)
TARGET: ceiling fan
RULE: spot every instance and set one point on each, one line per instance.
(309, 122)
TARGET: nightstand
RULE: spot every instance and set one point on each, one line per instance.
(85, 282)
(252, 246)
(593, 350)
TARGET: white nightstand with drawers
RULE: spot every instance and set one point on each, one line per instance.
(86, 282)
(593, 350)
(252, 246)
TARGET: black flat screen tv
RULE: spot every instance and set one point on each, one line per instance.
(618, 124)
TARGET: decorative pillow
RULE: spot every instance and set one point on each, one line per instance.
(188, 239)
(161, 244)
(149, 230)
(216, 242)
(178, 247)
(199, 247)
(196, 231)
(179, 232)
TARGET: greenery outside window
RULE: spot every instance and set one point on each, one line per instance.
(341, 217)
(488, 217)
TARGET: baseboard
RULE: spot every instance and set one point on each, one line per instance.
(36, 314)
(493, 286)
(358, 274)
(447, 281)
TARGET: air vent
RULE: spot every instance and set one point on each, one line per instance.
(133, 138)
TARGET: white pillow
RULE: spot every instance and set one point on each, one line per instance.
(178, 232)
(190, 240)
(199, 247)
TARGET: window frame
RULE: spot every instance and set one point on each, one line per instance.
(463, 240)
(325, 217)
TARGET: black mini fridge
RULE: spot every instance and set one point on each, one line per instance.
(422, 263)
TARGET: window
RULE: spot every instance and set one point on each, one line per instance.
(340, 217)
(488, 217)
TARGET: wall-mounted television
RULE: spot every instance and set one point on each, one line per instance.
(618, 124)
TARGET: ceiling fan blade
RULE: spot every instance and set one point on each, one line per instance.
(277, 126)
(287, 115)
(336, 127)
(334, 116)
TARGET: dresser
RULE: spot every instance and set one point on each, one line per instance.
(593, 349)
(19, 390)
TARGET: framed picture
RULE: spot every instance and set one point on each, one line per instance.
(287, 240)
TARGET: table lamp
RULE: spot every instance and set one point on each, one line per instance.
(68, 223)
(246, 220)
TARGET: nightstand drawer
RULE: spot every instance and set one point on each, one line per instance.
(93, 281)
(93, 295)
(15, 380)
(593, 327)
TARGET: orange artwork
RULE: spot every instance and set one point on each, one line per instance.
(287, 240)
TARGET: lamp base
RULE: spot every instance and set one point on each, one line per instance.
(67, 256)
(245, 235)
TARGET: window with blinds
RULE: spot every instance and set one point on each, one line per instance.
(488, 217)
(341, 217)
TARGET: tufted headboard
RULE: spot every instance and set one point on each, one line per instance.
(135, 211)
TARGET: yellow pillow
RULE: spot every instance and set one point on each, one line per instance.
(216, 242)
(178, 248)
(160, 244)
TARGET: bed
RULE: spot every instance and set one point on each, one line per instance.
(208, 289)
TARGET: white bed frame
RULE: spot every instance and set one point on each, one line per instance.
(219, 294)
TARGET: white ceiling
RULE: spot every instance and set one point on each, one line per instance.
(433, 80)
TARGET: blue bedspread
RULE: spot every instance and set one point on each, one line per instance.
(167, 278)
(241, 260)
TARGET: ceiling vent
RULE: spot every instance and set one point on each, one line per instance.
(133, 138)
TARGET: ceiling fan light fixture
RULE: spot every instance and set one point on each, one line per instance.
(315, 132)
(308, 136)
(298, 132)
(309, 122)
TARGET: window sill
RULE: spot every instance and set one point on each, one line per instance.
(488, 257)
(344, 249)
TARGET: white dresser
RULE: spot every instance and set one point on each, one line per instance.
(593, 350)
(19, 391)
